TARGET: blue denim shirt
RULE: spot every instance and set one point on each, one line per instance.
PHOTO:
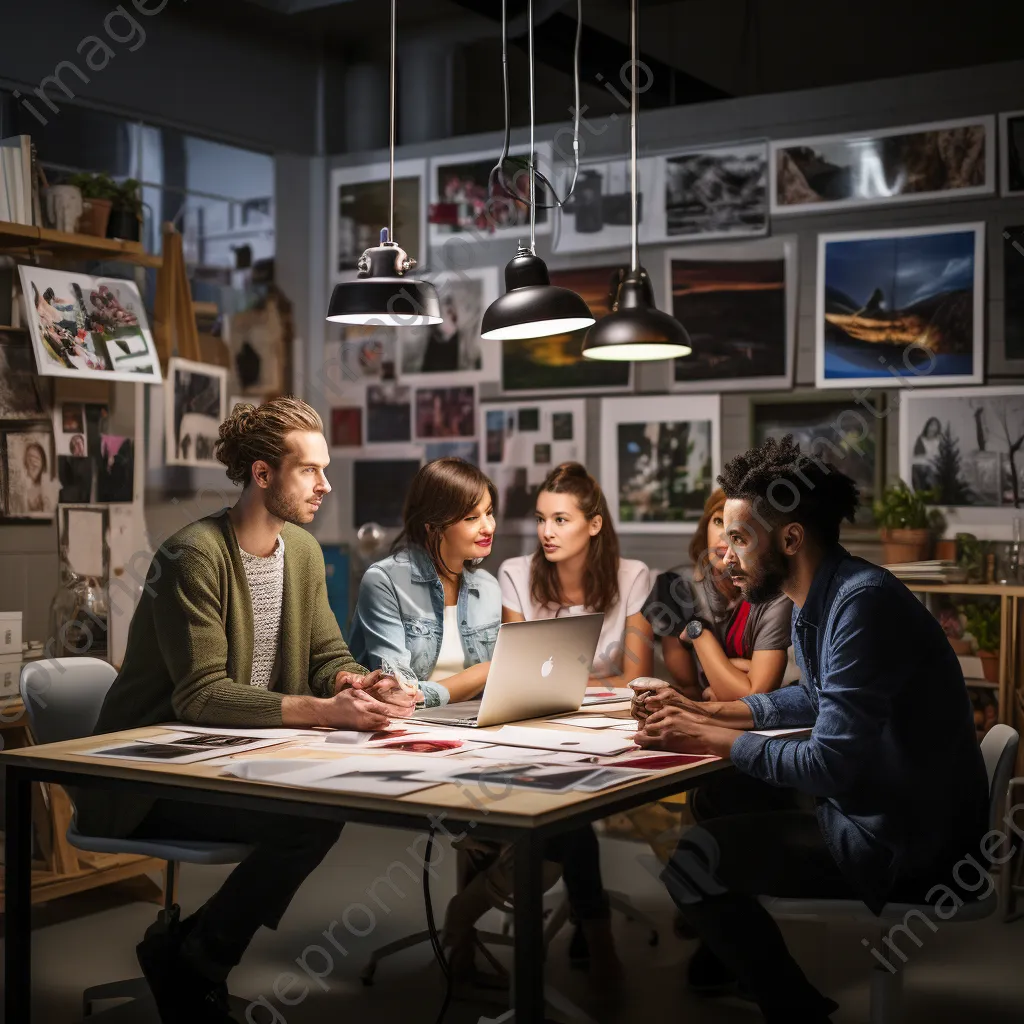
(893, 759)
(399, 618)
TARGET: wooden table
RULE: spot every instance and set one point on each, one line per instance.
(525, 818)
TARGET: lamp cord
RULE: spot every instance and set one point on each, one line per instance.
(391, 187)
(533, 148)
(634, 240)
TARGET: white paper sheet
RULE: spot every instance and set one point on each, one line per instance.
(606, 695)
(583, 742)
(498, 753)
(593, 722)
(85, 541)
(160, 749)
(256, 734)
(781, 732)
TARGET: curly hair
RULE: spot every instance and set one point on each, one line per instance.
(784, 485)
(255, 433)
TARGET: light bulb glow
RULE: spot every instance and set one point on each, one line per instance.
(538, 329)
(637, 352)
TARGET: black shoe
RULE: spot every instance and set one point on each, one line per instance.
(708, 976)
(182, 994)
(579, 951)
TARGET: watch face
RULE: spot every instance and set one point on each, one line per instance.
(694, 629)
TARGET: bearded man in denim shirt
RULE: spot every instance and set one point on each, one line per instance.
(891, 764)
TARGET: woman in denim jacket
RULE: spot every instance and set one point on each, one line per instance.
(426, 612)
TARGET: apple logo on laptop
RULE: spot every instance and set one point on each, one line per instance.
(547, 668)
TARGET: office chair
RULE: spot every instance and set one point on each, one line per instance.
(63, 697)
(999, 749)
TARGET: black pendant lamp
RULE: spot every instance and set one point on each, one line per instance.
(532, 307)
(382, 295)
(635, 330)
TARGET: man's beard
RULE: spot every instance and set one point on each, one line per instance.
(767, 584)
(289, 510)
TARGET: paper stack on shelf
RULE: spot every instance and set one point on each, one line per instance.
(928, 572)
(16, 205)
(974, 672)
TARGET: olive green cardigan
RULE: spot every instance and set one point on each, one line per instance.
(190, 645)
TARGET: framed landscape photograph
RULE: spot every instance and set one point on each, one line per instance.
(965, 444)
(942, 160)
(522, 442)
(556, 363)
(715, 192)
(88, 327)
(453, 350)
(841, 432)
(737, 302)
(901, 307)
(1011, 153)
(660, 456)
(360, 208)
(466, 202)
(194, 408)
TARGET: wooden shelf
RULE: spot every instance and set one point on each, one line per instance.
(25, 237)
(972, 589)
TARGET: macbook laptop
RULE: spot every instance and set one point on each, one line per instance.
(538, 668)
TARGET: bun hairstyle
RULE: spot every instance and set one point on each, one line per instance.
(601, 574)
(255, 433)
(441, 493)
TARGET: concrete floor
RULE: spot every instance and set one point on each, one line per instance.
(965, 972)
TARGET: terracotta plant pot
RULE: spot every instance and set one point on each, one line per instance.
(945, 550)
(990, 665)
(905, 546)
(95, 217)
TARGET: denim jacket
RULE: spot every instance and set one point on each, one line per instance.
(893, 759)
(399, 618)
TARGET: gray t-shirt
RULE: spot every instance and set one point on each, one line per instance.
(740, 627)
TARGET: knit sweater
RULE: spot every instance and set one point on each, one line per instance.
(265, 577)
(190, 649)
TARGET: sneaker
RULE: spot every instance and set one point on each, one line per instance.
(708, 976)
(181, 993)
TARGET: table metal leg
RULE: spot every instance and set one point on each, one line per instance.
(528, 978)
(18, 896)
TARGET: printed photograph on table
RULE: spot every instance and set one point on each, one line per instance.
(360, 198)
(84, 326)
(839, 432)
(21, 397)
(195, 405)
(454, 348)
(1011, 153)
(945, 159)
(901, 305)
(445, 412)
(514, 435)
(659, 460)
(468, 200)
(737, 302)
(716, 192)
(379, 487)
(32, 489)
(1013, 303)
(469, 451)
(965, 445)
(388, 412)
(557, 363)
(347, 427)
(599, 213)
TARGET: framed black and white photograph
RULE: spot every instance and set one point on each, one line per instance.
(966, 445)
(379, 487)
(388, 413)
(844, 433)
(453, 350)
(195, 406)
(469, 201)
(1011, 153)
(20, 395)
(556, 363)
(360, 207)
(1012, 360)
(660, 456)
(88, 327)
(32, 488)
(903, 306)
(513, 436)
(445, 412)
(599, 213)
(940, 160)
(737, 301)
(714, 192)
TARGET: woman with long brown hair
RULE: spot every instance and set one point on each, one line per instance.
(576, 568)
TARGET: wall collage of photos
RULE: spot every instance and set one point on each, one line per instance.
(894, 308)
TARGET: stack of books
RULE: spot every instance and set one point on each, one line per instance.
(18, 195)
(928, 572)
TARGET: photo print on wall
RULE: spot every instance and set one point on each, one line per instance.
(195, 405)
(1013, 298)
(32, 489)
(21, 397)
(445, 412)
(379, 487)
(1011, 150)
(905, 304)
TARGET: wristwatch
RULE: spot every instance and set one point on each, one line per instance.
(694, 628)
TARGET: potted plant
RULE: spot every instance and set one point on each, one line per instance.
(98, 191)
(982, 623)
(126, 213)
(907, 524)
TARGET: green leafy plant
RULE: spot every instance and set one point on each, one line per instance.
(983, 624)
(970, 555)
(900, 508)
(129, 197)
(95, 186)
